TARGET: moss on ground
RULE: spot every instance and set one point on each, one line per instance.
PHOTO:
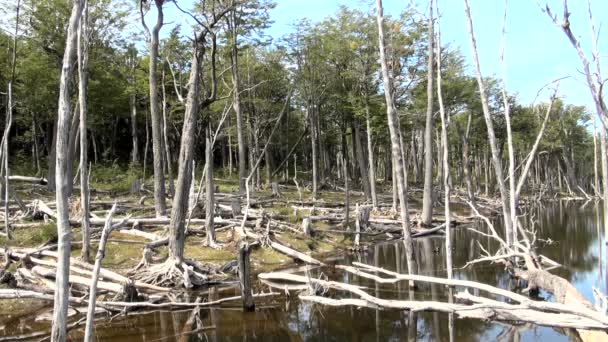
(32, 236)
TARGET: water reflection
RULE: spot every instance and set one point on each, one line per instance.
(567, 232)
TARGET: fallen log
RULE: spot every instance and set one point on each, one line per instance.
(20, 294)
(285, 250)
(25, 179)
(75, 279)
(486, 311)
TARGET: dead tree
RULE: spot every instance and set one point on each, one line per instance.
(9, 122)
(445, 152)
(105, 234)
(427, 199)
(176, 267)
(157, 152)
(233, 25)
(496, 160)
(396, 147)
(83, 61)
(61, 299)
(595, 83)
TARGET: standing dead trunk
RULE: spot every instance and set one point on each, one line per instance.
(152, 41)
(496, 160)
(50, 175)
(427, 197)
(168, 158)
(604, 152)
(83, 61)
(466, 164)
(210, 188)
(391, 112)
(135, 148)
(186, 155)
(446, 161)
(346, 183)
(370, 156)
(73, 143)
(61, 300)
(9, 122)
(361, 161)
(313, 144)
(236, 84)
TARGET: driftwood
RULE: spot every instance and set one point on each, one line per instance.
(552, 314)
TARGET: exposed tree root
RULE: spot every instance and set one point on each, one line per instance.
(172, 273)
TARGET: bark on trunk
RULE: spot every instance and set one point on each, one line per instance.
(210, 188)
(186, 155)
(496, 160)
(83, 61)
(157, 152)
(395, 144)
(314, 148)
(61, 298)
(135, 150)
(370, 156)
(361, 162)
(427, 198)
(167, 146)
(236, 83)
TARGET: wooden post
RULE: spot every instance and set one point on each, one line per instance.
(245, 276)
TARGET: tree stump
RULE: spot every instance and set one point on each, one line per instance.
(307, 227)
(245, 275)
(363, 216)
(135, 187)
(276, 192)
(235, 205)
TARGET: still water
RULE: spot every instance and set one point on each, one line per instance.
(575, 242)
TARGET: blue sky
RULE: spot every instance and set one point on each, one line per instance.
(536, 51)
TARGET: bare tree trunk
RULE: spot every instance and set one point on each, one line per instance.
(490, 127)
(166, 138)
(36, 147)
(370, 156)
(210, 188)
(146, 148)
(446, 162)
(230, 155)
(73, 143)
(9, 123)
(466, 164)
(395, 144)
(427, 199)
(346, 183)
(159, 178)
(236, 83)
(83, 61)
(361, 161)
(105, 234)
(186, 155)
(596, 180)
(313, 143)
(135, 150)
(50, 175)
(604, 152)
(61, 299)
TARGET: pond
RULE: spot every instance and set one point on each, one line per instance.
(568, 232)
